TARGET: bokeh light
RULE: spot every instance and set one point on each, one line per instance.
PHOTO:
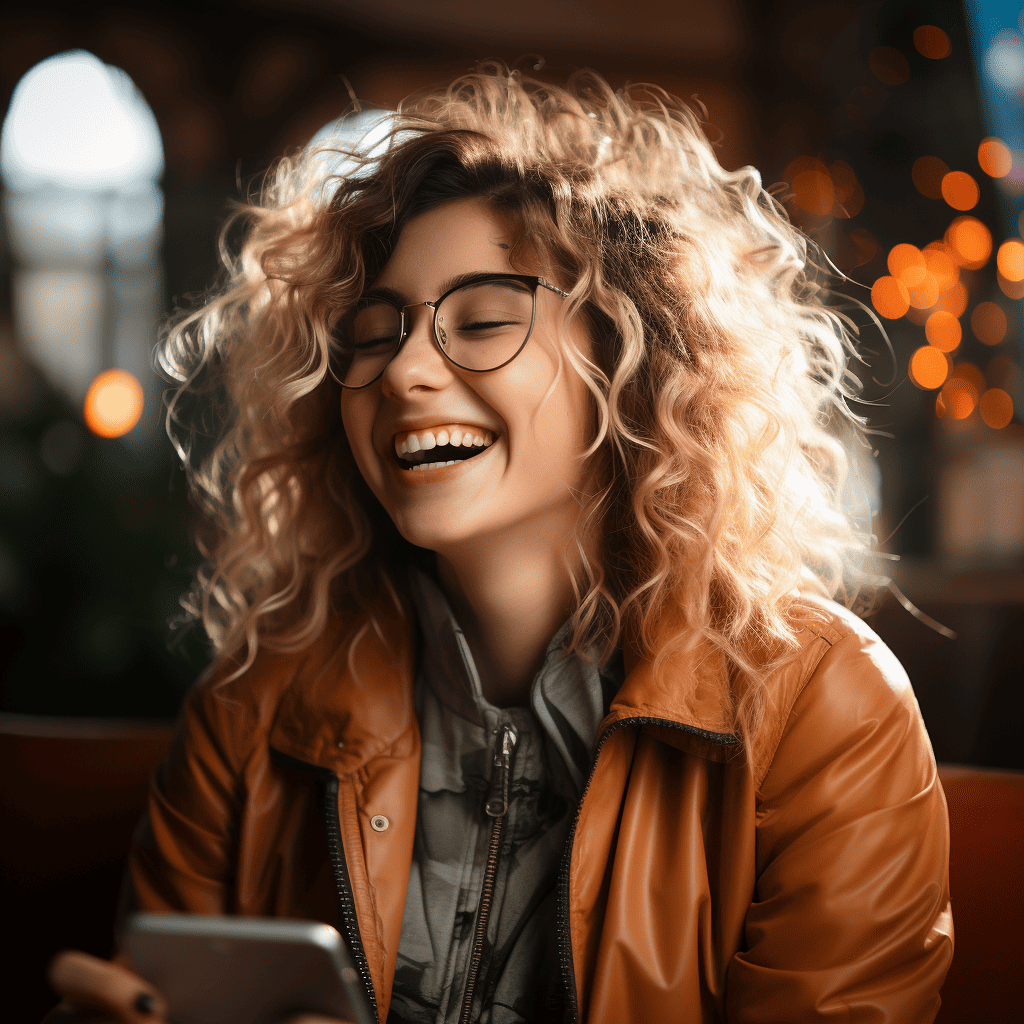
(995, 158)
(889, 65)
(928, 367)
(1001, 372)
(890, 297)
(940, 265)
(953, 300)
(959, 398)
(943, 331)
(960, 190)
(813, 190)
(925, 294)
(849, 196)
(969, 242)
(113, 403)
(988, 321)
(927, 174)
(996, 408)
(1011, 289)
(907, 263)
(1010, 260)
(932, 42)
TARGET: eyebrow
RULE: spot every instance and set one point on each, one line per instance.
(396, 298)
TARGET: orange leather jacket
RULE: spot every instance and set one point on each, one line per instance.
(692, 888)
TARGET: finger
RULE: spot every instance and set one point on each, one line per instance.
(87, 981)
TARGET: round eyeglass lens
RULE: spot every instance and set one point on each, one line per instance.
(369, 342)
(484, 324)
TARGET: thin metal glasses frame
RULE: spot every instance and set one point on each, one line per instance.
(531, 279)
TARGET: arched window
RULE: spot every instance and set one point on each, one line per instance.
(80, 157)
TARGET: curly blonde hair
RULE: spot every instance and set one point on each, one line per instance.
(719, 377)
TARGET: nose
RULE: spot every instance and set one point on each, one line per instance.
(418, 363)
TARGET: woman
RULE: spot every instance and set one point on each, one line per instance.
(530, 523)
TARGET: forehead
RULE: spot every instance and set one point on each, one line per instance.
(460, 237)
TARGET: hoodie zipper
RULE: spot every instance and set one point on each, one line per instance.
(564, 940)
(496, 808)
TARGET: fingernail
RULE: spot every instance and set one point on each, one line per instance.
(144, 1002)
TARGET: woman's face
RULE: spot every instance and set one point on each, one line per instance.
(520, 484)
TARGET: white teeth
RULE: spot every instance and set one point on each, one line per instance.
(427, 439)
(432, 465)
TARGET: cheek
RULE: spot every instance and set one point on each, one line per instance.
(357, 419)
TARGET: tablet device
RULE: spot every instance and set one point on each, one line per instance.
(245, 970)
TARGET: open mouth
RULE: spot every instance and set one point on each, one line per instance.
(442, 455)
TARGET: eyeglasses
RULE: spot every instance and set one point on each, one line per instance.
(479, 325)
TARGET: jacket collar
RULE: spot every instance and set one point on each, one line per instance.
(352, 699)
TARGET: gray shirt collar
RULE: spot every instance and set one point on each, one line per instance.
(569, 695)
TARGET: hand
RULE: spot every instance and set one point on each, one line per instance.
(97, 991)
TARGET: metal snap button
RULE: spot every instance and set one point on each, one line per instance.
(340, 744)
(379, 823)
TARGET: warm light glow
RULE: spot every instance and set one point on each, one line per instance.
(943, 331)
(927, 173)
(928, 368)
(865, 246)
(1010, 260)
(890, 297)
(970, 373)
(988, 321)
(907, 263)
(925, 294)
(954, 300)
(813, 190)
(960, 190)
(1001, 372)
(996, 408)
(849, 194)
(995, 158)
(1011, 289)
(888, 65)
(959, 398)
(970, 242)
(932, 42)
(940, 265)
(113, 403)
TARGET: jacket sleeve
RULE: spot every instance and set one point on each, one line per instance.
(183, 854)
(851, 917)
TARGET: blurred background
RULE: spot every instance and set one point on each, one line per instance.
(893, 131)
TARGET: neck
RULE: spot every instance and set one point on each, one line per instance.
(510, 595)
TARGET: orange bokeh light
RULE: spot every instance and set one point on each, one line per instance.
(959, 398)
(1010, 260)
(932, 42)
(890, 297)
(928, 367)
(943, 331)
(953, 300)
(907, 263)
(113, 403)
(849, 195)
(988, 321)
(1011, 289)
(960, 190)
(996, 408)
(927, 173)
(814, 192)
(888, 65)
(969, 241)
(940, 265)
(995, 158)
(925, 294)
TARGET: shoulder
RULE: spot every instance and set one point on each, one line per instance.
(842, 686)
(234, 706)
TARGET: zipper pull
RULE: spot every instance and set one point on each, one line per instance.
(497, 796)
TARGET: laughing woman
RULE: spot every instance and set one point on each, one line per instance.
(529, 543)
